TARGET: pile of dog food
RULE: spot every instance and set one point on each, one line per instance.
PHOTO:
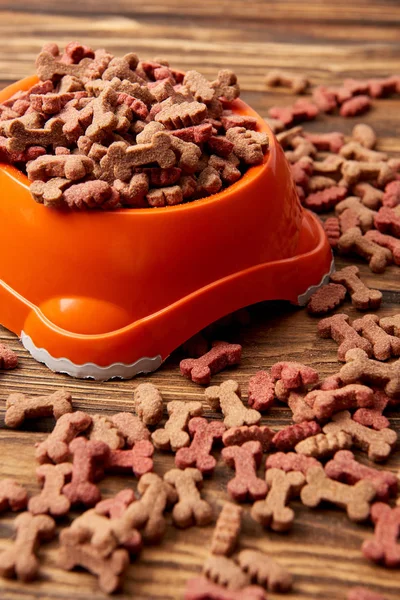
(84, 99)
(105, 132)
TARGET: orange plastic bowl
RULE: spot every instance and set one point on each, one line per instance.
(112, 294)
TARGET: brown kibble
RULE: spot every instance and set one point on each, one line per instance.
(296, 82)
(226, 572)
(353, 241)
(174, 435)
(329, 166)
(8, 358)
(20, 560)
(209, 182)
(300, 409)
(70, 166)
(302, 148)
(327, 402)
(360, 367)
(51, 500)
(344, 467)
(168, 196)
(391, 324)
(190, 509)
(91, 194)
(354, 171)
(148, 403)
(273, 512)
(226, 86)
(184, 114)
(130, 427)
(232, 120)
(365, 215)
(49, 193)
(226, 530)
(249, 145)
(110, 570)
(20, 136)
(104, 430)
(245, 459)
(356, 151)
(355, 499)
(362, 297)
(236, 436)
(226, 397)
(338, 328)
(319, 182)
(226, 167)
(323, 445)
(12, 495)
(326, 299)
(384, 345)
(265, 571)
(378, 444)
(198, 85)
(19, 407)
(370, 195)
(49, 67)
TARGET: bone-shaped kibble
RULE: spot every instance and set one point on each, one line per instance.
(198, 85)
(88, 457)
(51, 500)
(290, 461)
(355, 499)
(365, 215)
(326, 402)
(265, 571)
(331, 142)
(19, 407)
(201, 588)
(294, 375)
(103, 534)
(122, 159)
(273, 512)
(373, 417)
(147, 512)
(104, 430)
(248, 145)
(337, 327)
(344, 467)
(354, 241)
(131, 427)
(124, 68)
(174, 434)
(107, 116)
(359, 367)
(384, 547)
(20, 136)
(190, 509)
(355, 150)
(8, 358)
(384, 345)
(225, 571)
(370, 195)
(137, 459)
(297, 82)
(289, 436)
(226, 85)
(20, 560)
(198, 454)
(362, 297)
(12, 495)
(379, 444)
(109, 570)
(227, 529)
(226, 397)
(116, 506)
(47, 67)
(168, 196)
(236, 436)
(324, 444)
(391, 324)
(49, 193)
(300, 409)
(55, 446)
(354, 171)
(245, 459)
(148, 403)
(221, 355)
(386, 241)
(70, 166)
(188, 154)
(330, 165)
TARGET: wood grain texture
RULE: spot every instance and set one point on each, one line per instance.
(328, 40)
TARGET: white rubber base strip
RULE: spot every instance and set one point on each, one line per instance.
(304, 298)
(90, 370)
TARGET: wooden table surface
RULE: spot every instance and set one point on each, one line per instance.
(329, 41)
